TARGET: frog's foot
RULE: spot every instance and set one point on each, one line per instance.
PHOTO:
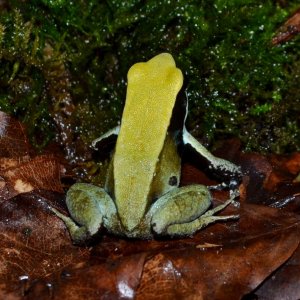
(78, 234)
(186, 211)
(203, 221)
(218, 187)
(233, 190)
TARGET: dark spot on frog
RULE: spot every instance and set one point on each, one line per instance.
(173, 180)
(27, 231)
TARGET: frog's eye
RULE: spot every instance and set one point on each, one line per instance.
(173, 181)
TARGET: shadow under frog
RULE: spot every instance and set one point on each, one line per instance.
(142, 197)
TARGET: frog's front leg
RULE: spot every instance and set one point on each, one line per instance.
(90, 207)
(226, 169)
(184, 210)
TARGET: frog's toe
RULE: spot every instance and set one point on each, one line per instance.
(78, 234)
(201, 222)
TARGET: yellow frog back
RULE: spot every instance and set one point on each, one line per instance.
(151, 95)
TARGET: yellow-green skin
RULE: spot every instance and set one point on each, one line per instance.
(141, 197)
(151, 94)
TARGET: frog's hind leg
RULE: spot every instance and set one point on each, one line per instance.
(90, 207)
(202, 221)
(184, 210)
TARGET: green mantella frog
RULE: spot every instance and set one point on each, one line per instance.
(141, 198)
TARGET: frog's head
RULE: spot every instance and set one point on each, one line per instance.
(151, 95)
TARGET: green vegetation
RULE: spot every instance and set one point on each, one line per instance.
(64, 65)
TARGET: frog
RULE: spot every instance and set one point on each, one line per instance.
(142, 197)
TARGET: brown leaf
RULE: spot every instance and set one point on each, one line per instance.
(213, 273)
(257, 171)
(41, 172)
(13, 138)
(245, 253)
(34, 243)
(284, 283)
(288, 30)
(113, 280)
(224, 261)
(20, 170)
(270, 180)
(285, 167)
(8, 296)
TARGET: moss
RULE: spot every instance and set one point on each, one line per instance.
(22, 81)
(238, 84)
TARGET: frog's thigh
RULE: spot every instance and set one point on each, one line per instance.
(181, 205)
(185, 210)
(202, 221)
(89, 206)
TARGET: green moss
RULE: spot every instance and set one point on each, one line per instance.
(21, 82)
(237, 82)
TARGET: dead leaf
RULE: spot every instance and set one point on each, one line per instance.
(284, 282)
(213, 273)
(41, 172)
(34, 243)
(288, 30)
(13, 139)
(168, 269)
(22, 171)
(227, 260)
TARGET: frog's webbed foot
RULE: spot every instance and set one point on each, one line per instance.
(184, 211)
(232, 186)
(90, 207)
(78, 234)
(203, 221)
